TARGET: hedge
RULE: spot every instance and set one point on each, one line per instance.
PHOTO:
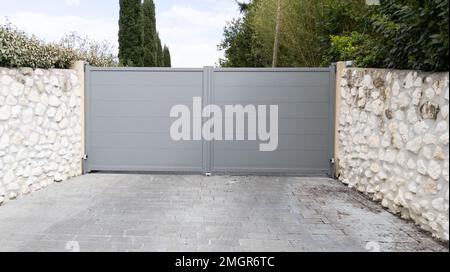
(17, 49)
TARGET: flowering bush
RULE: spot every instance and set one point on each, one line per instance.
(17, 49)
(95, 53)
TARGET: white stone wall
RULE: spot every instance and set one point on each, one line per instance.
(394, 142)
(40, 129)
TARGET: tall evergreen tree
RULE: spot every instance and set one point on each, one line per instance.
(167, 59)
(130, 33)
(160, 58)
(150, 49)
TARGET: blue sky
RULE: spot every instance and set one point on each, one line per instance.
(191, 28)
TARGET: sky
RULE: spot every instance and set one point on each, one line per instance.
(191, 28)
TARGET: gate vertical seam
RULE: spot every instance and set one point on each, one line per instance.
(211, 101)
(206, 100)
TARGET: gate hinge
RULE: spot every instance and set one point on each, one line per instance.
(85, 157)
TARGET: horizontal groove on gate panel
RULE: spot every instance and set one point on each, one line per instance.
(133, 108)
(145, 168)
(263, 102)
(188, 101)
(285, 142)
(143, 69)
(254, 148)
(267, 169)
(262, 86)
(271, 70)
(165, 133)
(148, 140)
(145, 109)
(282, 95)
(132, 155)
(110, 124)
(147, 149)
(159, 78)
(181, 85)
(132, 141)
(298, 172)
(167, 93)
(176, 157)
(277, 80)
(279, 149)
(132, 117)
(254, 159)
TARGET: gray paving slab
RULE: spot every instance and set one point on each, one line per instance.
(126, 212)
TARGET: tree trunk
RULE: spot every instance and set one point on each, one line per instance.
(276, 44)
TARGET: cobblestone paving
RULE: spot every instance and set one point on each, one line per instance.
(120, 212)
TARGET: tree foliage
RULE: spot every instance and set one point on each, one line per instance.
(167, 58)
(304, 26)
(241, 47)
(149, 34)
(130, 33)
(139, 42)
(405, 34)
(159, 51)
(413, 34)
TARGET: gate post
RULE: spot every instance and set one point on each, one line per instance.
(86, 113)
(80, 68)
(207, 98)
(332, 123)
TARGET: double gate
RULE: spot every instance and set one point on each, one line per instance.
(128, 119)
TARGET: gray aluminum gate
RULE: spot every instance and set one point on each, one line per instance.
(128, 119)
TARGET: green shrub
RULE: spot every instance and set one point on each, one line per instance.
(406, 34)
(360, 48)
(413, 33)
(17, 49)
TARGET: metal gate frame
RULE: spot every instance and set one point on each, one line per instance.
(208, 94)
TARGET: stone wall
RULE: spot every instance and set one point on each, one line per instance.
(394, 142)
(40, 129)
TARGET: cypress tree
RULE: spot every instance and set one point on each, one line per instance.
(130, 33)
(160, 58)
(167, 59)
(149, 34)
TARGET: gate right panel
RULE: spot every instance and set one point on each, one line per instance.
(305, 116)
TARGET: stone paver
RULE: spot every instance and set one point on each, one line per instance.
(119, 212)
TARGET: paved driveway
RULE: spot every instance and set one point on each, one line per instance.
(113, 212)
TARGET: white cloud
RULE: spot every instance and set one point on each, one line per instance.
(187, 15)
(72, 3)
(193, 34)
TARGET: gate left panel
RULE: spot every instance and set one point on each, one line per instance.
(128, 119)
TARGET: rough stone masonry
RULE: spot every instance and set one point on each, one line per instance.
(40, 129)
(394, 142)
